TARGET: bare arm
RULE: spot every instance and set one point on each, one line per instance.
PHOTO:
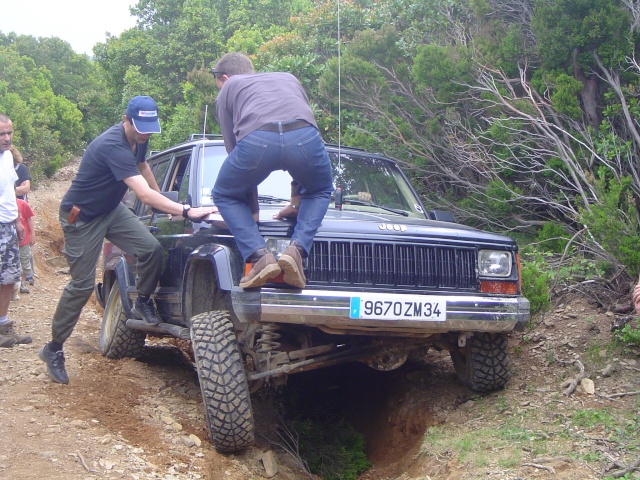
(291, 210)
(146, 172)
(32, 229)
(24, 188)
(19, 229)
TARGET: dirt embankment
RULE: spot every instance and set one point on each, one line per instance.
(143, 419)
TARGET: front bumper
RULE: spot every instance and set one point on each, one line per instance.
(329, 310)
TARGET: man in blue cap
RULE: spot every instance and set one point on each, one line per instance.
(92, 210)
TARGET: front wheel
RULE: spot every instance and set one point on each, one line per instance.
(223, 382)
(483, 363)
(116, 340)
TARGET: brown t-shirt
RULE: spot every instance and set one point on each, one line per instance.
(247, 102)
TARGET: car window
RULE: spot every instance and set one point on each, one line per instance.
(176, 179)
(159, 168)
(183, 176)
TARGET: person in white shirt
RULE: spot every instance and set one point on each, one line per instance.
(11, 230)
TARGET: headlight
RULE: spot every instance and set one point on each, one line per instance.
(493, 263)
(277, 245)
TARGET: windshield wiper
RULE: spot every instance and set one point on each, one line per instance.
(271, 198)
(369, 204)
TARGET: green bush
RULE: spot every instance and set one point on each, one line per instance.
(629, 334)
(553, 237)
(613, 222)
(332, 449)
(535, 282)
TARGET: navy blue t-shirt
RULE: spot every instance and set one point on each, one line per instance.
(99, 184)
(23, 174)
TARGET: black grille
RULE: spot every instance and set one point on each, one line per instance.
(389, 264)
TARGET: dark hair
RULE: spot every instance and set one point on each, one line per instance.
(17, 156)
(233, 63)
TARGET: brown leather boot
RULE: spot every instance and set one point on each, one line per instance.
(291, 264)
(264, 268)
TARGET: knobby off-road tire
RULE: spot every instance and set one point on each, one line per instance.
(223, 382)
(116, 340)
(483, 364)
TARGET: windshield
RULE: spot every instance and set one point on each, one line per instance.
(277, 185)
(367, 183)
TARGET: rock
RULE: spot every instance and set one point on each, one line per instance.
(79, 424)
(196, 440)
(167, 419)
(608, 370)
(188, 441)
(269, 462)
(106, 464)
(57, 262)
(191, 440)
(588, 386)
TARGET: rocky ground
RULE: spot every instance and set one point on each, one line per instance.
(143, 419)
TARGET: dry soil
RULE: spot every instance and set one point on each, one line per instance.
(143, 419)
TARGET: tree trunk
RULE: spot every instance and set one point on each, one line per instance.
(588, 94)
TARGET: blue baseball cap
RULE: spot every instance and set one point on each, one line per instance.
(143, 113)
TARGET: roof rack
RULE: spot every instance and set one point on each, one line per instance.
(205, 136)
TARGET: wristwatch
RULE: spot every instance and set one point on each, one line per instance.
(185, 210)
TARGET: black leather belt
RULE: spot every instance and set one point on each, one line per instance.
(286, 127)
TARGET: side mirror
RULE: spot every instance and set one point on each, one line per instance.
(337, 195)
(442, 216)
(173, 196)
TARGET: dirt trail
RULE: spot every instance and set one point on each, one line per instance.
(143, 419)
(116, 419)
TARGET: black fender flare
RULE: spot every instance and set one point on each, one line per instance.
(220, 257)
(125, 279)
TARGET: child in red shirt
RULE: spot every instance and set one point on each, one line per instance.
(26, 218)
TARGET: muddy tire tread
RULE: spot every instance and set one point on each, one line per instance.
(116, 341)
(483, 364)
(223, 382)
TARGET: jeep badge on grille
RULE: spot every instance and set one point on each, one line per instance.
(392, 226)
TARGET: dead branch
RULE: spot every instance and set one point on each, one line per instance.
(558, 360)
(614, 461)
(621, 473)
(561, 458)
(541, 467)
(576, 380)
(79, 456)
(290, 444)
(617, 395)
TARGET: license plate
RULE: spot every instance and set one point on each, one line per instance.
(398, 307)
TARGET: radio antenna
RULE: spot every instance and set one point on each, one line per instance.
(204, 124)
(339, 89)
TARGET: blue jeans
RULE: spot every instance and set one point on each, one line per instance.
(301, 152)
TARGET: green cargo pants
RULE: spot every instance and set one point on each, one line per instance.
(82, 247)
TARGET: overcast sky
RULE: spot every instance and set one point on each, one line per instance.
(82, 23)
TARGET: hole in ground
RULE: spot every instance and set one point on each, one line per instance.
(383, 406)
